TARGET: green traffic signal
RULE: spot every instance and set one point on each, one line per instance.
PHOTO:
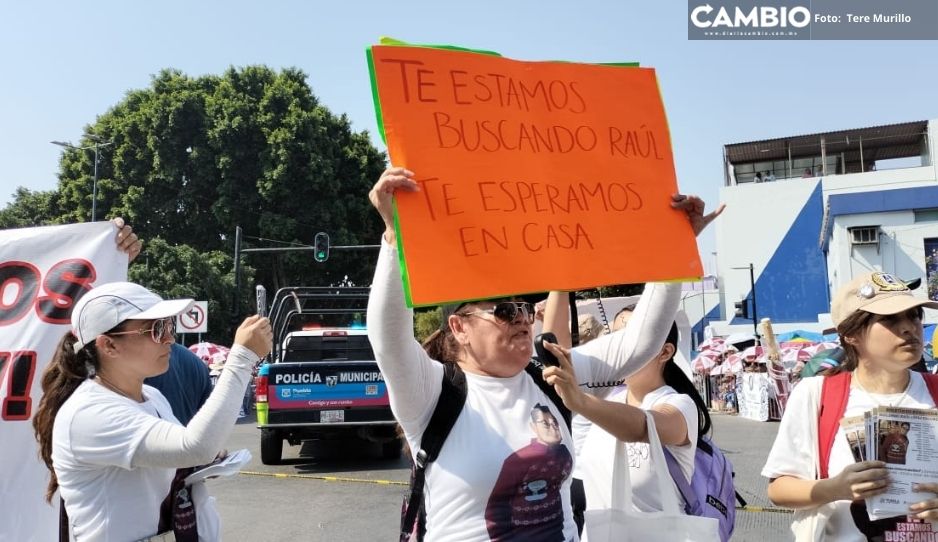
(321, 247)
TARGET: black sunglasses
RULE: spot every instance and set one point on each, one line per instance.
(507, 311)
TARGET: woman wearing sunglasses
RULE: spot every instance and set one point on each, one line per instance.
(499, 475)
(112, 444)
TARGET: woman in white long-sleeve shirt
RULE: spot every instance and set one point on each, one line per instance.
(504, 470)
(112, 444)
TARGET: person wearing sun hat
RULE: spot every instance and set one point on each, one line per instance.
(879, 321)
(111, 443)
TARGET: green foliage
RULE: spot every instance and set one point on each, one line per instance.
(620, 290)
(192, 158)
(426, 322)
(29, 209)
(179, 271)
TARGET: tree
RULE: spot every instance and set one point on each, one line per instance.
(621, 290)
(195, 157)
(181, 271)
(426, 322)
(29, 209)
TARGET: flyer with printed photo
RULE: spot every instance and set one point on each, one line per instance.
(906, 439)
(855, 431)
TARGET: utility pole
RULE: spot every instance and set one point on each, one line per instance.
(98, 143)
(236, 314)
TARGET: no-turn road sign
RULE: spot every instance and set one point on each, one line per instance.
(194, 320)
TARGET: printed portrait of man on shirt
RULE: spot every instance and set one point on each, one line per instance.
(526, 498)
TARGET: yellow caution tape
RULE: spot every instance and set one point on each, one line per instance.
(747, 508)
(326, 478)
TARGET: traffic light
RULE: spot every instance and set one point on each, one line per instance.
(742, 309)
(321, 247)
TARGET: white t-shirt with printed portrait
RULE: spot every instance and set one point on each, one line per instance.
(499, 476)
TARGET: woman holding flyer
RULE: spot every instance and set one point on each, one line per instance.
(504, 470)
(811, 466)
(111, 443)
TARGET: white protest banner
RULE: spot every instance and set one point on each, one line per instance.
(43, 271)
(752, 394)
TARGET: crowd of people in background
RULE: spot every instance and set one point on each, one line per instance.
(127, 413)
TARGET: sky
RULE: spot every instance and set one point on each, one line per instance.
(65, 63)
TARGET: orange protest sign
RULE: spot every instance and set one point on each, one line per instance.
(534, 175)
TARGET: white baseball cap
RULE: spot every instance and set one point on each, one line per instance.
(104, 307)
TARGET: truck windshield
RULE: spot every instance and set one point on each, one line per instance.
(328, 348)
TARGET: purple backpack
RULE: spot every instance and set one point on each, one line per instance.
(711, 492)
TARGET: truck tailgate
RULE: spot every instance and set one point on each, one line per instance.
(327, 392)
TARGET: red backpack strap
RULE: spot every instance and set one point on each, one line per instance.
(931, 382)
(834, 394)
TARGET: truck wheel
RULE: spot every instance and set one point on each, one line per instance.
(271, 447)
(391, 449)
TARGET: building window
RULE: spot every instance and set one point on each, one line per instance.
(864, 235)
(931, 267)
(926, 215)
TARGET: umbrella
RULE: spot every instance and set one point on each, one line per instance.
(799, 334)
(797, 343)
(824, 359)
(210, 352)
(753, 353)
(711, 344)
(716, 345)
(733, 365)
(794, 355)
(735, 359)
(821, 347)
(704, 363)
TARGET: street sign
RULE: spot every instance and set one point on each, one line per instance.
(194, 320)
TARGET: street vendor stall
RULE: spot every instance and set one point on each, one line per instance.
(719, 366)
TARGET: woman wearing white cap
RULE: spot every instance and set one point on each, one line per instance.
(811, 467)
(111, 443)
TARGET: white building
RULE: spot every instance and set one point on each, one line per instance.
(810, 212)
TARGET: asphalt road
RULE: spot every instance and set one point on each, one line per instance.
(345, 492)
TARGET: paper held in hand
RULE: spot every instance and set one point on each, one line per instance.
(906, 439)
(227, 466)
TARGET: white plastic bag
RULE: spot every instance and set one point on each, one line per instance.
(621, 522)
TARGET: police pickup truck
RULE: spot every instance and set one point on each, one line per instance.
(321, 380)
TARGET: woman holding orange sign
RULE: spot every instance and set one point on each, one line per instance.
(504, 468)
